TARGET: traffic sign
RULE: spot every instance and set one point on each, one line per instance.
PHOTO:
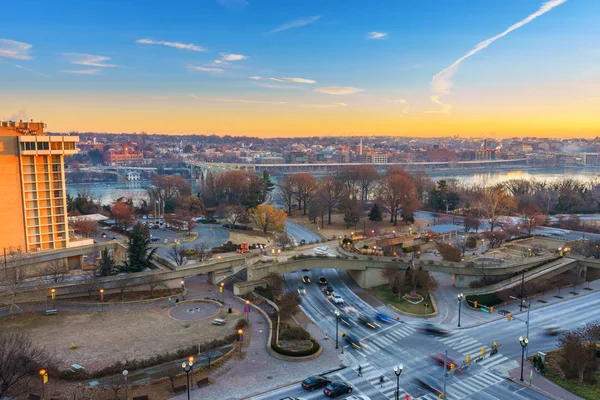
(45, 378)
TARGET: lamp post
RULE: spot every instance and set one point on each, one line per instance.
(101, 299)
(125, 373)
(524, 342)
(459, 297)
(44, 378)
(482, 242)
(241, 339)
(187, 367)
(247, 309)
(337, 322)
(397, 372)
(53, 295)
(278, 254)
(182, 288)
(221, 289)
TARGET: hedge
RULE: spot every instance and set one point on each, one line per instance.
(303, 353)
(490, 299)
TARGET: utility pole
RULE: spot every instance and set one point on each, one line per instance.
(522, 292)
(445, 373)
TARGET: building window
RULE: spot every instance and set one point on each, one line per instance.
(69, 145)
(56, 145)
(43, 146)
(27, 145)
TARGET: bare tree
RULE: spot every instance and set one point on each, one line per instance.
(274, 284)
(153, 281)
(284, 240)
(90, 282)
(209, 351)
(285, 193)
(56, 270)
(117, 383)
(496, 203)
(14, 283)
(306, 185)
(395, 277)
(450, 252)
(21, 359)
(328, 194)
(289, 305)
(85, 226)
(574, 350)
(177, 254)
(122, 284)
(203, 252)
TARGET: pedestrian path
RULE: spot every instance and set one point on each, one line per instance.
(372, 376)
(467, 387)
(378, 342)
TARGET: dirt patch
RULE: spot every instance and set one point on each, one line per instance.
(103, 338)
(249, 237)
(296, 345)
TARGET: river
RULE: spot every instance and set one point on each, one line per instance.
(107, 193)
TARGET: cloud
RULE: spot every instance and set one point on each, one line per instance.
(89, 60)
(220, 62)
(233, 4)
(441, 83)
(405, 109)
(267, 85)
(333, 105)
(230, 100)
(285, 80)
(15, 50)
(376, 35)
(295, 24)
(232, 57)
(22, 67)
(177, 45)
(204, 69)
(338, 90)
(91, 71)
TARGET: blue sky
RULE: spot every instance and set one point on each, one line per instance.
(211, 49)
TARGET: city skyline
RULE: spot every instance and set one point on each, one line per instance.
(274, 70)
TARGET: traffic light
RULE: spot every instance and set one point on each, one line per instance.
(491, 310)
(508, 316)
(469, 360)
(452, 368)
(483, 352)
(475, 304)
(495, 345)
(441, 396)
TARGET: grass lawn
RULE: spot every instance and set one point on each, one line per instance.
(585, 390)
(385, 295)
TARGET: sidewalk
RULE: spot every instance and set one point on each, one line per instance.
(540, 384)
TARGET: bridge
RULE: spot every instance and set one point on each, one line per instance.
(199, 169)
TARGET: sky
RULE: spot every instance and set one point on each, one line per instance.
(304, 68)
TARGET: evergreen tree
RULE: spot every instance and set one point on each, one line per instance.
(375, 214)
(106, 264)
(139, 253)
(268, 182)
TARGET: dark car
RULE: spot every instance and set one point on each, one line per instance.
(368, 320)
(434, 329)
(306, 279)
(552, 331)
(155, 239)
(322, 280)
(383, 317)
(303, 241)
(335, 389)
(328, 290)
(345, 318)
(352, 341)
(315, 382)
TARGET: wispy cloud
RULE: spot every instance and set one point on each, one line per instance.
(88, 60)
(285, 80)
(91, 71)
(233, 4)
(15, 50)
(295, 24)
(232, 57)
(376, 35)
(405, 109)
(333, 105)
(22, 67)
(442, 81)
(177, 45)
(338, 90)
(271, 86)
(232, 100)
(204, 69)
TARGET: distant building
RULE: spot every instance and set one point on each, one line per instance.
(33, 209)
(125, 156)
(377, 158)
(133, 176)
(270, 160)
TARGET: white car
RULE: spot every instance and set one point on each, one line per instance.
(336, 298)
(357, 397)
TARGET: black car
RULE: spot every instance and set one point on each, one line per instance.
(335, 389)
(322, 280)
(306, 279)
(345, 318)
(433, 329)
(369, 321)
(315, 382)
(352, 341)
(328, 290)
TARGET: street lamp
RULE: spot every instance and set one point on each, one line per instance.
(278, 254)
(524, 342)
(222, 290)
(43, 376)
(337, 322)
(187, 367)
(247, 309)
(241, 333)
(482, 242)
(53, 295)
(101, 299)
(182, 283)
(459, 297)
(125, 373)
(398, 371)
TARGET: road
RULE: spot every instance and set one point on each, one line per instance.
(299, 233)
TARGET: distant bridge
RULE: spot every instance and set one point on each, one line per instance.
(198, 167)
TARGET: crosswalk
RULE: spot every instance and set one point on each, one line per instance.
(468, 346)
(372, 376)
(376, 343)
(467, 387)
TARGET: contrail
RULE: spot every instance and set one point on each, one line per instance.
(441, 83)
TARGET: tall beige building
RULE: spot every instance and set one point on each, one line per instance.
(33, 206)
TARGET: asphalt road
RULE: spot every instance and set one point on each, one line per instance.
(298, 233)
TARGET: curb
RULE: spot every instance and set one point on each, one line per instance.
(435, 312)
(535, 389)
(221, 307)
(119, 303)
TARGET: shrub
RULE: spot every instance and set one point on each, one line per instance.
(303, 353)
(242, 323)
(264, 292)
(355, 257)
(294, 333)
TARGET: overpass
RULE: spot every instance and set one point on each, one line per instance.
(200, 169)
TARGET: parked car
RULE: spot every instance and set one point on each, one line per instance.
(337, 299)
(306, 279)
(335, 389)
(315, 382)
(322, 280)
